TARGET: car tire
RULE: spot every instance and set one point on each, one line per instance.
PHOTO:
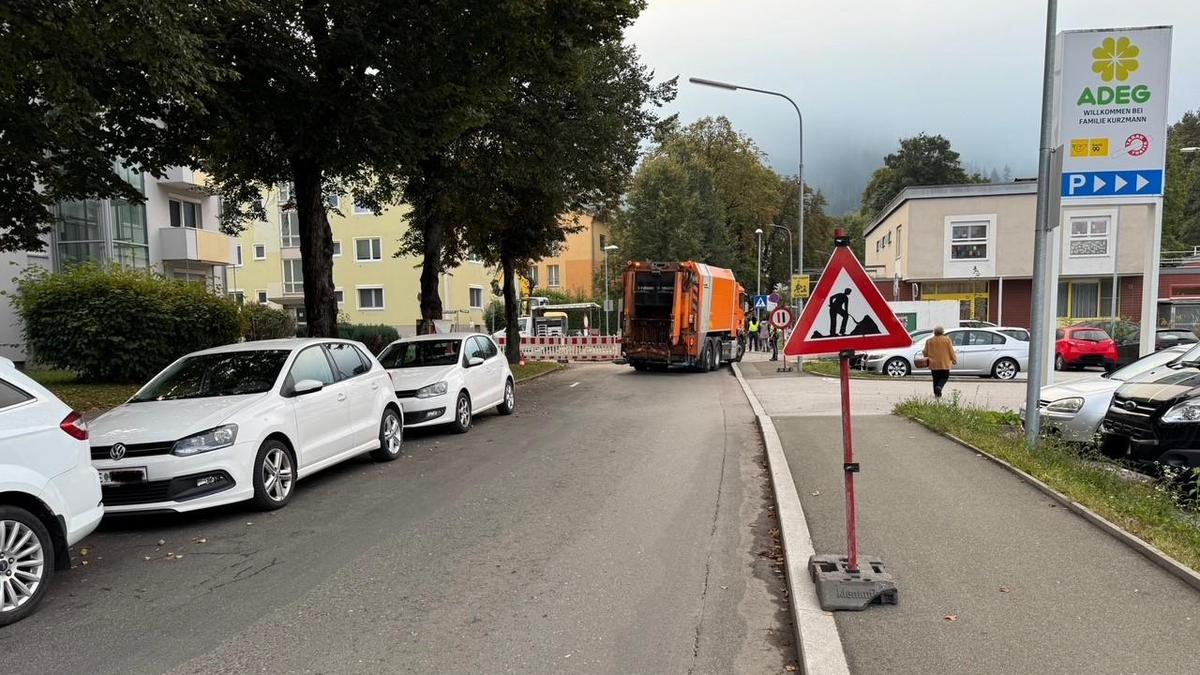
(1059, 362)
(1005, 369)
(897, 367)
(509, 405)
(35, 580)
(640, 367)
(274, 476)
(391, 437)
(462, 413)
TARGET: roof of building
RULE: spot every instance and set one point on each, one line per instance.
(1028, 187)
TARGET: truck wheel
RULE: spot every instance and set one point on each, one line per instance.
(716, 353)
(739, 352)
(705, 364)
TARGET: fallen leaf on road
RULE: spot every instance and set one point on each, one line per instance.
(179, 557)
(162, 542)
(249, 523)
(815, 494)
(1005, 589)
(201, 540)
(790, 668)
(147, 557)
(951, 617)
(84, 551)
(85, 562)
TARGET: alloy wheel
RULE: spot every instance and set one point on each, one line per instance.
(510, 396)
(896, 368)
(392, 433)
(1006, 370)
(278, 476)
(464, 412)
(22, 565)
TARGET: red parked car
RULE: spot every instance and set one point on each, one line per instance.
(1080, 346)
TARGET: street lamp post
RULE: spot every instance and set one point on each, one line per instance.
(610, 247)
(800, 177)
(758, 236)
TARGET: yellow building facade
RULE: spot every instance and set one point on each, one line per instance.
(372, 285)
(573, 270)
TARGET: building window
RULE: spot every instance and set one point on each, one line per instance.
(339, 296)
(261, 295)
(533, 276)
(238, 296)
(77, 232)
(603, 243)
(1089, 237)
(1084, 299)
(184, 214)
(969, 240)
(333, 201)
(360, 210)
(130, 245)
(293, 277)
(260, 251)
(370, 298)
(285, 193)
(237, 255)
(289, 229)
(368, 250)
(475, 295)
(552, 278)
(337, 249)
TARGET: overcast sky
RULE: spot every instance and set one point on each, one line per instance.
(867, 72)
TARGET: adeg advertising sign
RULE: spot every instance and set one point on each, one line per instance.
(1113, 111)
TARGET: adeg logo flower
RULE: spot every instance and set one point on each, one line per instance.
(1115, 59)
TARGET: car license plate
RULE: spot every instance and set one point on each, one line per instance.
(123, 476)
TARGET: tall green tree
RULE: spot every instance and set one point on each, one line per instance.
(85, 83)
(345, 97)
(920, 160)
(1181, 205)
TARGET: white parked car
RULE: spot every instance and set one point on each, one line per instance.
(981, 351)
(245, 422)
(49, 492)
(450, 378)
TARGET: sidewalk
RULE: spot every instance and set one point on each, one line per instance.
(956, 529)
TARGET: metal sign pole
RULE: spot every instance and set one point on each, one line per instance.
(849, 466)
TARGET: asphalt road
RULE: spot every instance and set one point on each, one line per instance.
(1031, 587)
(615, 525)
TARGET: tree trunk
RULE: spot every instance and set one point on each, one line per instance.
(433, 230)
(316, 251)
(512, 310)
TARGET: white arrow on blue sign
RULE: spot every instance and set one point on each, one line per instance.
(760, 302)
(1113, 183)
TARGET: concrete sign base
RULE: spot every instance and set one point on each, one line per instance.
(840, 589)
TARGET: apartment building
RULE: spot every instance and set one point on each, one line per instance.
(174, 232)
(372, 285)
(573, 270)
(974, 244)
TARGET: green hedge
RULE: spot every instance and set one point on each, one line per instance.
(260, 322)
(118, 325)
(375, 337)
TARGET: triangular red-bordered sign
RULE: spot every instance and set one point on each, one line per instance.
(856, 320)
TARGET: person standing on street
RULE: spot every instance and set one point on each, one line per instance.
(754, 346)
(940, 352)
(774, 333)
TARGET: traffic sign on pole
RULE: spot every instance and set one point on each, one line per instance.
(760, 302)
(781, 317)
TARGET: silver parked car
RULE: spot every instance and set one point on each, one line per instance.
(981, 351)
(1074, 410)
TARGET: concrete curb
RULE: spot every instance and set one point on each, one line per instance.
(548, 372)
(1184, 573)
(818, 643)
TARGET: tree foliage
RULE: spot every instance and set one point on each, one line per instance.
(85, 83)
(1181, 205)
(920, 160)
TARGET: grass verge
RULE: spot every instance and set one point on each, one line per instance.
(89, 399)
(831, 369)
(532, 369)
(1149, 511)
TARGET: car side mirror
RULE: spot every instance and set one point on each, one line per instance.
(474, 361)
(306, 387)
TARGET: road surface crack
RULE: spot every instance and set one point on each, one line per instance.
(712, 533)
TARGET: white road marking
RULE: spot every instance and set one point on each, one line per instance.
(575, 384)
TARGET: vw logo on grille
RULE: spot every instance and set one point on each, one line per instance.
(117, 451)
(1130, 405)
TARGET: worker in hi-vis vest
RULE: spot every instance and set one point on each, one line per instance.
(754, 340)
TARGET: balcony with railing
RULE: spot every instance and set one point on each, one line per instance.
(195, 245)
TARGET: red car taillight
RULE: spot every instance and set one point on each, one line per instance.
(75, 426)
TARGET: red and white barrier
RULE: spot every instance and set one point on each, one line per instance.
(586, 348)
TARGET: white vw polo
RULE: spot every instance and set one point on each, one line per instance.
(244, 422)
(449, 378)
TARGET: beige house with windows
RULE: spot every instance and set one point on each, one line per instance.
(974, 244)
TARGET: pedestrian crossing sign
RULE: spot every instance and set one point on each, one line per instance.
(846, 312)
(760, 302)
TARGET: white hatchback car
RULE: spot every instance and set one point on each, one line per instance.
(245, 422)
(449, 378)
(49, 492)
(985, 352)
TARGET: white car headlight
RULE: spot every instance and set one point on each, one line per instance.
(1188, 411)
(1065, 405)
(432, 390)
(876, 357)
(206, 441)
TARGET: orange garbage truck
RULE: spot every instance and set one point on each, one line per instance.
(682, 314)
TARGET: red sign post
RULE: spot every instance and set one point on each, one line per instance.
(846, 312)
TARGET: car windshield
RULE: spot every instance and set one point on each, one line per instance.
(1090, 335)
(421, 354)
(1144, 365)
(1191, 357)
(1016, 334)
(224, 374)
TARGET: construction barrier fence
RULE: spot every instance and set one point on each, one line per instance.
(587, 348)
